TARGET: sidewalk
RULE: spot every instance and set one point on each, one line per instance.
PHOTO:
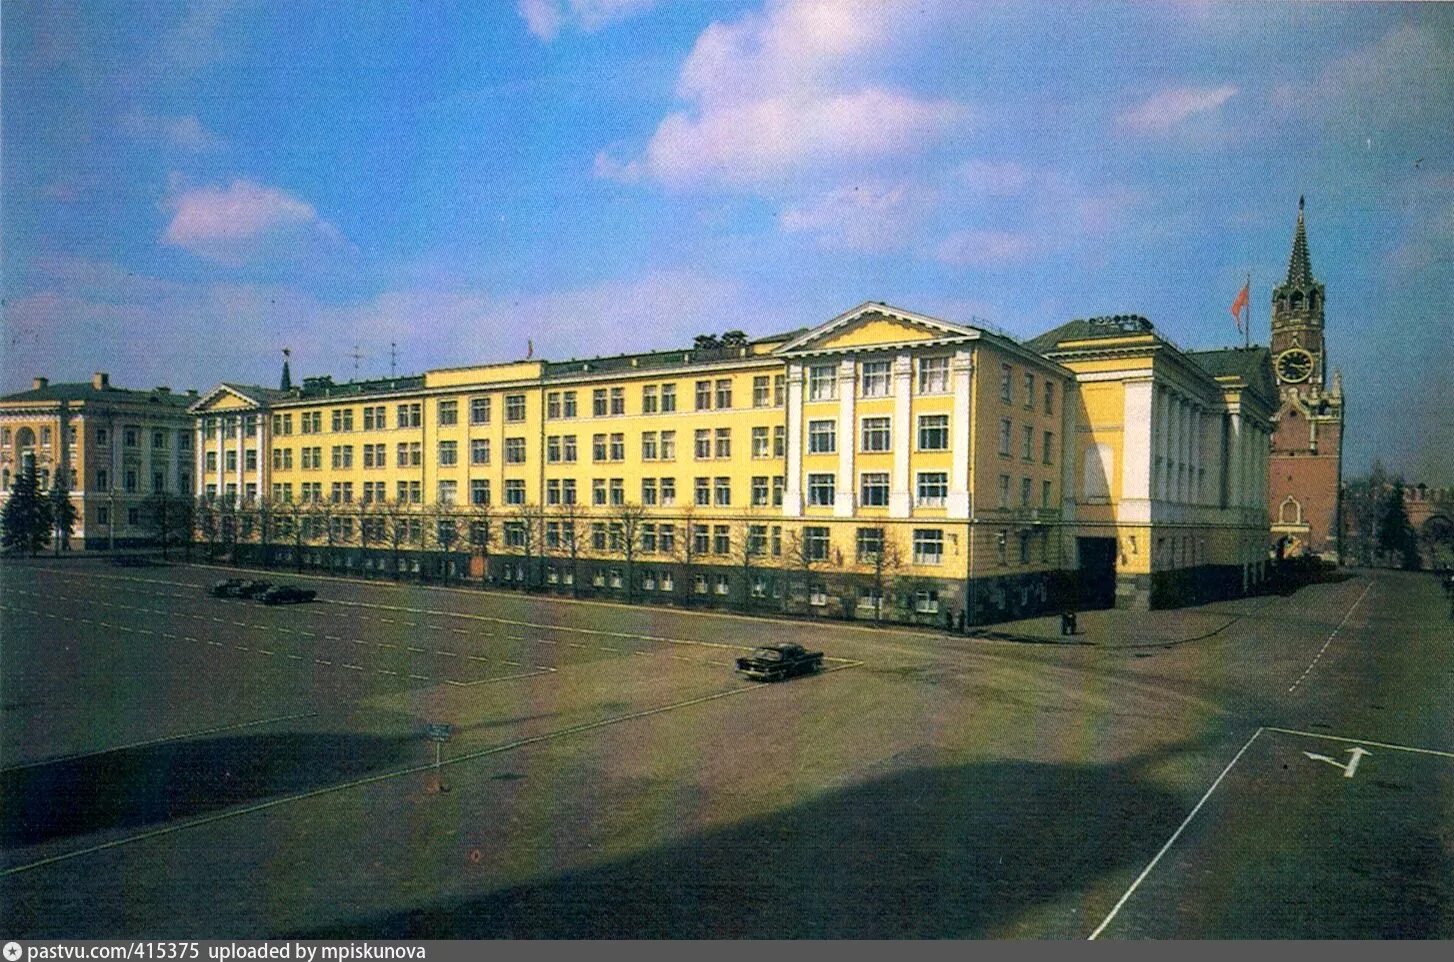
(1113, 628)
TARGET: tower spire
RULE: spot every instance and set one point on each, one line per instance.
(1299, 267)
(286, 382)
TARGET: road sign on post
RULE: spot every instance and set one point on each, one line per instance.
(438, 733)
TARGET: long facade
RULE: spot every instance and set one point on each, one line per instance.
(884, 464)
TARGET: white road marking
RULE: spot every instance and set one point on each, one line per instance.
(540, 670)
(1309, 669)
(1174, 836)
(1348, 769)
(1362, 741)
(353, 667)
(412, 648)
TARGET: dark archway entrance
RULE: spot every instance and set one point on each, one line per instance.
(1097, 572)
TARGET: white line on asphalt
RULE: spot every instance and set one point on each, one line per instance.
(296, 657)
(382, 776)
(1307, 670)
(353, 667)
(1362, 741)
(1174, 836)
(420, 677)
(451, 654)
(541, 670)
(412, 648)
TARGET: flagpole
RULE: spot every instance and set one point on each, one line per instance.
(1247, 328)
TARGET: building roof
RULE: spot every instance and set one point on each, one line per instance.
(1251, 364)
(86, 391)
(1085, 329)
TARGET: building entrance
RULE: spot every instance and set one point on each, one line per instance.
(1097, 572)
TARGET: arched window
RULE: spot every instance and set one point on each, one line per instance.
(1297, 300)
(1290, 512)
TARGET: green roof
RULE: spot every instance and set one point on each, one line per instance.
(87, 392)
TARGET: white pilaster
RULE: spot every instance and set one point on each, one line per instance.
(793, 483)
(262, 430)
(845, 495)
(1136, 451)
(221, 454)
(241, 459)
(200, 441)
(959, 447)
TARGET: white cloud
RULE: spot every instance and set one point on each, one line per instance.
(794, 87)
(1168, 108)
(547, 18)
(242, 221)
(861, 217)
(186, 132)
(985, 248)
(995, 179)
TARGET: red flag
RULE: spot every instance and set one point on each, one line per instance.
(529, 349)
(1240, 303)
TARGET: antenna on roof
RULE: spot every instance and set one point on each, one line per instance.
(355, 355)
(393, 358)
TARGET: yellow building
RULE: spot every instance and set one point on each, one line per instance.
(119, 446)
(1171, 454)
(883, 464)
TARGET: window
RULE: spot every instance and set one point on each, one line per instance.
(480, 451)
(779, 390)
(722, 492)
(720, 584)
(568, 404)
(933, 375)
(779, 441)
(934, 432)
(618, 492)
(1027, 443)
(249, 458)
(480, 410)
(102, 436)
(1024, 492)
(232, 459)
(598, 492)
(874, 378)
(820, 490)
(618, 400)
(648, 492)
(724, 443)
(1007, 384)
(568, 449)
(668, 398)
(875, 434)
(514, 535)
(1005, 430)
(760, 448)
(448, 453)
(701, 538)
(761, 391)
(873, 489)
(514, 407)
(159, 439)
(699, 584)
(373, 419)
(926, 601)
(618, 447)
(648, 542)
(211, 461)
(648, 399)
(552, 449)
(130, 437)
(702, 449)
(778, 483)
(598, 402)
(103, 479)
(759, 491)
(515, 491)
(756, 539)
(815, 543)
(1045, 494)
(870, 599)
(932, 489)
(568, 491)
(703, 492)
(1047, 448)
(374, 456)
(822, 437)
(405, 416)
(724, 393)
(648, 445)
(448, 413)
(667, 541)
(158, 480)
(552, 406)
(668, 448)
(721, 539)
(870, 545)
(817, 595)
(704, 395)
(822, 382)
(1029, 390)
(668, 492)
(410, 454)
(448, 492)
(1004, 491)
(514, 450)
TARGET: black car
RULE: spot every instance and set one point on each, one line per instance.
(225, 589)
(238, 588)
(288, 595)
(778, 661)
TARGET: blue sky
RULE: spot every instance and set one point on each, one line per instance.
(187, 189)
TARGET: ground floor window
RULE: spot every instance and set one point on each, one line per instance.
(699, 584)
(870, 599)
(817, 595)
(926, 601)
(722, 585)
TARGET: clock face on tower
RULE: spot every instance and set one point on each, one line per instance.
(1294, 365)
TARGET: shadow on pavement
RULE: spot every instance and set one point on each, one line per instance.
(154, 784)
(931, 852)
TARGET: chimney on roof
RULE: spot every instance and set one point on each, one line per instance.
(39, 384)
(101, 380)
(191, 392)
(163, 389)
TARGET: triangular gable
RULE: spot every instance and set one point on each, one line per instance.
(224, 397)
(873, 325)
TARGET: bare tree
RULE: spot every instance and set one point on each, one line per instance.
(227, 522)
(627, 518)
(163, 514)
(686, 551)
(370, 527)
(749, 546)
(528, 520)
(482, 534)
(208, 525)
(803, 557)
(265, 511)
(571, 518)
(396, 529)
(885, 561)
(446, 535)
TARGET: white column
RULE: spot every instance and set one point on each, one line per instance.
(1136, 449)
(241, 459)
(200, 441)
(221, 454)
(1163, 444)
(262, 429)
(793, 483)
(1183, 450)
(901, 498)
(845, 495)
(959, 443)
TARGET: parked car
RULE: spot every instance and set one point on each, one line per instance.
(778, 661)
(288, 595)
(238, 588)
